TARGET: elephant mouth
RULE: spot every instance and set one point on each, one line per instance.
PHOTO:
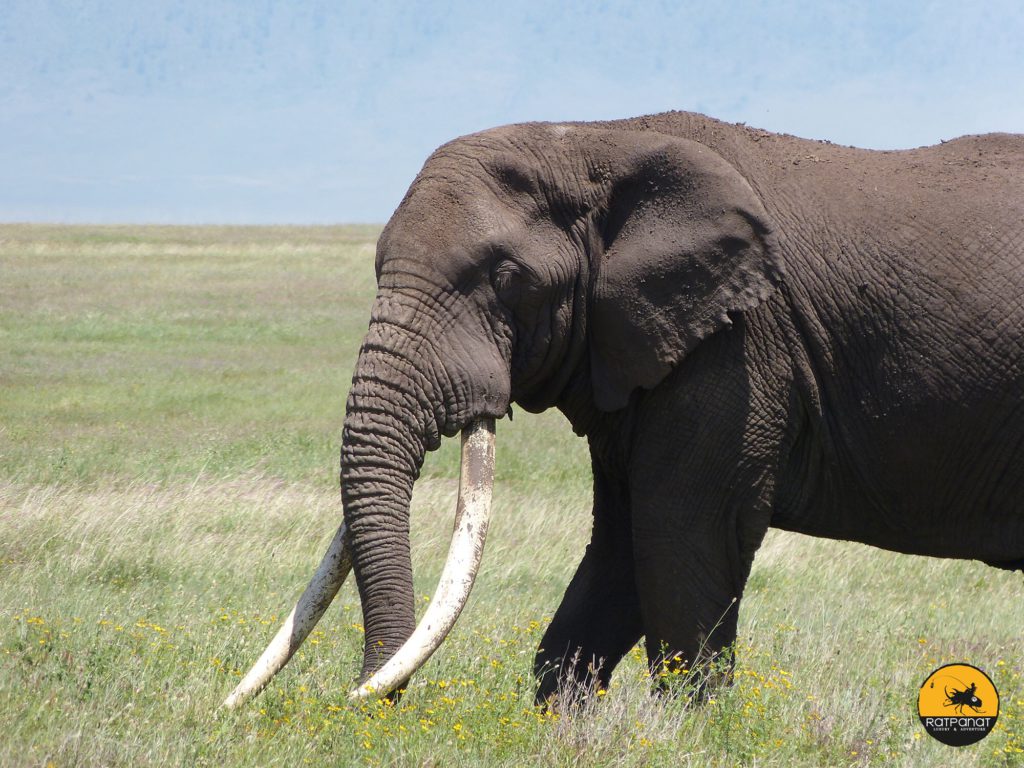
(472, 516)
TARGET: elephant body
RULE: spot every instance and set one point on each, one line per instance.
(751, 330)
(901, 318)
(896, 337)
(874, 396)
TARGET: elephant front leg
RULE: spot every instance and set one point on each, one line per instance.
(599, 619)
(707, 452)
(689, 595)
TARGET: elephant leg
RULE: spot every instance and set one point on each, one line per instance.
(599, 619)
(703, 476)
(689, 596)
(694, 540)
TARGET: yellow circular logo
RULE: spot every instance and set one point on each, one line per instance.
(958, 704)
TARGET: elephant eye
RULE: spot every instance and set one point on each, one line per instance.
(506, 282)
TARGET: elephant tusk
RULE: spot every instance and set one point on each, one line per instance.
(472, 515)
(324, 585)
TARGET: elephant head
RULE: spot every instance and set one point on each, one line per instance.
(545, 265)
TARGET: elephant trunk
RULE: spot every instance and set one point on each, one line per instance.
(382, 450)
(471, 520)
(383, 444)
(395, 413)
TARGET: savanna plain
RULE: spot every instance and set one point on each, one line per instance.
(171, 402)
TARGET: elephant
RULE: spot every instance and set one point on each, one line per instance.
(750, 329)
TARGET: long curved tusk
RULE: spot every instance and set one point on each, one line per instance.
(324, 585)
(471, 518)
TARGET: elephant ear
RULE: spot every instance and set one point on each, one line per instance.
(685, 242)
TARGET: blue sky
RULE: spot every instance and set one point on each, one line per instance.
(321, 112)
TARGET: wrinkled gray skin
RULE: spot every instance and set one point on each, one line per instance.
(751, 330)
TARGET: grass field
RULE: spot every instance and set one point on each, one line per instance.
(171, 403)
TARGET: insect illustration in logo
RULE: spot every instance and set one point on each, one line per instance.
(965, 698)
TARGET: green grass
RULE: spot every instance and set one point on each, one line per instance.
(170, 408)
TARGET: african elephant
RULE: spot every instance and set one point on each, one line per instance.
(750, 330)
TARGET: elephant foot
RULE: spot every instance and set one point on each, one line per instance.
(696, 683)
(569, 685)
